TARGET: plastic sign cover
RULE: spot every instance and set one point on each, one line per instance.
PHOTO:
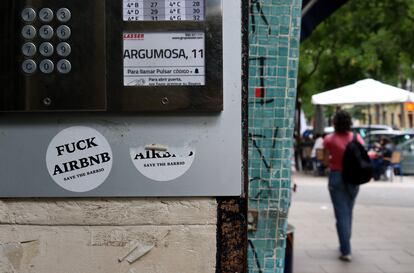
(164, 59)
(163, 10)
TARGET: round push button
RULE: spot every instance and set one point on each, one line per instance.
(28, 32)
(46, 66)
(63, 49)
(29, 49)
(46, 32)
(63, 32)
(46, 15)
(29, 66)
(63, 15)
(28, 15)
(64, 66)
(46, 49)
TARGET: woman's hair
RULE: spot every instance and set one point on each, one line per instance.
(342, 122)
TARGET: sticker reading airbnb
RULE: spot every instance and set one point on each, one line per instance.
(162, 165)
(79, 159)
(164, 59)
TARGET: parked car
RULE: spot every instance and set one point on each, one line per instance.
(403, 137)
(407, 154)
(376, 135)
(364, 130)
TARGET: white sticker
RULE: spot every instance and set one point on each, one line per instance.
(79, 159)
(164, 59)
(162, 165)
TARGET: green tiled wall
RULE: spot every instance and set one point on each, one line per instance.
(273, 63)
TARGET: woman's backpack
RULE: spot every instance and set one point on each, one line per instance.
(356, 165)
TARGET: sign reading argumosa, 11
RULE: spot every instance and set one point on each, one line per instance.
(164, 59)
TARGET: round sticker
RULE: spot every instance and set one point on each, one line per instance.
(79, 159)
(162, 165)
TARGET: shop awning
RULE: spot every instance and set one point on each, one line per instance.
(363, 92)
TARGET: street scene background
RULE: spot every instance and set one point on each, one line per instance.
(382, 238)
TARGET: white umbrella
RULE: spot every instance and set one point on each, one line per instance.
(363, 92)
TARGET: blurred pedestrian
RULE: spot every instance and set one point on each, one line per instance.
(376, 159)
(386, 154)
(318, 166)
(381, 158)
(342, 194)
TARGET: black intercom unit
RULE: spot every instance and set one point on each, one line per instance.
(111, 56)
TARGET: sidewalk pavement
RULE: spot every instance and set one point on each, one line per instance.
(383, 235)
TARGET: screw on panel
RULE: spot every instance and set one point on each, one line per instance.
(47, 101)
(165, 101)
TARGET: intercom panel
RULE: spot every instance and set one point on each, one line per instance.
(57, 154)
(52, 55)
(111, 56)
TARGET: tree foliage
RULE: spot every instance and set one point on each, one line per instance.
(363, 39)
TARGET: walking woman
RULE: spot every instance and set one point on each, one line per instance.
(342, 194)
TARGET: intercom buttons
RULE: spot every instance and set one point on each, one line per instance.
(46, 49)
(29, 49)
(63, 15)
(46, 66)
(63, 32)
(28, 15)
(63, 49)
(29, 66)
(46, 32)
(46, 15)
(29, 32)
(64, 66)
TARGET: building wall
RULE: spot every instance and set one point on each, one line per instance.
(127, 235)
(131, 235)
(394, 114)
(108, 236)
(273, 65)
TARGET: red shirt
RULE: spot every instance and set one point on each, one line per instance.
(336, 143)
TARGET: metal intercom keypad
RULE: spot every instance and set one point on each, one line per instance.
(39, 29)
(53, 56)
